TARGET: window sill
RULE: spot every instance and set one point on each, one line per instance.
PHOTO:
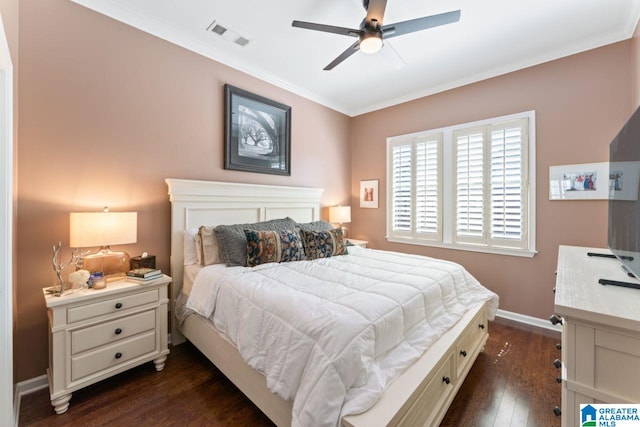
(525, 253)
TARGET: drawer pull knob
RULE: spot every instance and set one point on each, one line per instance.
(481, 326)
(463, 353)
(556, 411)
(559, 346)
(118, 355)
(118, 305)
(554, 319)
(446, 380)
(559, 380)
(557, 363)
(118, 331)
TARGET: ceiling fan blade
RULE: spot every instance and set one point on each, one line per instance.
(375, 9)
(392, 56)
(419, 24)
(326, 28)
(344, 55)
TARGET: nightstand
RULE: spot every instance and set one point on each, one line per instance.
(361, 243)
(94, 334)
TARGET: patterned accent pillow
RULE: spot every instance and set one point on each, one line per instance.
(273, 246)
(323, 244)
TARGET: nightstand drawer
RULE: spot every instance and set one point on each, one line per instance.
(114, 305)
(106, 333)
(113, 355)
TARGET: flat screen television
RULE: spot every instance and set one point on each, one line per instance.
(624, 204)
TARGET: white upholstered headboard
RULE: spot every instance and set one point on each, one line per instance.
(196, 203)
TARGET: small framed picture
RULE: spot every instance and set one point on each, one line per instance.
(587, 181)
(369, 193)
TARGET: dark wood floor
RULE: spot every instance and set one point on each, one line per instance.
(511, 384)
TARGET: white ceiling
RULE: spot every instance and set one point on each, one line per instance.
(493, 37)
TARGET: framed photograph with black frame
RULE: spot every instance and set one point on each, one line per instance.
(257, 133)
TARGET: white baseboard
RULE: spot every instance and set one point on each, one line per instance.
(16, 406)
(528, 320)
(24, 388)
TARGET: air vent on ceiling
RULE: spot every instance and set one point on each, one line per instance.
(228, 34)
(219, 29)
(242, 41)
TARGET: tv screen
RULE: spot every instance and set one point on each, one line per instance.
(624, 206)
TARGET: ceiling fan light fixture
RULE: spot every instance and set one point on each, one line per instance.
(371, 43)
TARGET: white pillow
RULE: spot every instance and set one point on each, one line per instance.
(210, 249)
(190, 250)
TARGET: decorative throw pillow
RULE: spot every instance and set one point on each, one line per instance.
(323, 244)
(233, 242)
(273, 246)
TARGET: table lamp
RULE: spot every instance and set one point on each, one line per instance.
(89, 229)
(340, 215)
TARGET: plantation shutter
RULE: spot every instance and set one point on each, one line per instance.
(508, 184)
(401, 168)
(469, 185)
(428, 187)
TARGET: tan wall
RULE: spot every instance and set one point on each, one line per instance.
(106, 114)
(580, 103)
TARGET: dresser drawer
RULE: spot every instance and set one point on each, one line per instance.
(112, 355)
(109, 306)
(106, 333)
(617, 364)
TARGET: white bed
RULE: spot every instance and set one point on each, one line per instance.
(419, 396)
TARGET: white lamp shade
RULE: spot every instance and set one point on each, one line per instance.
(340, 214)
(88, 229)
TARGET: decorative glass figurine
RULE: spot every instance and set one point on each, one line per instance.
(59, 266)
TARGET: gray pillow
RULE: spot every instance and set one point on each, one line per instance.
(232, 240)
(314, 226)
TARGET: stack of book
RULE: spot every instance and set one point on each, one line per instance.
(143, 275)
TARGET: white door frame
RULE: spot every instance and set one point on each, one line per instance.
(6, 233)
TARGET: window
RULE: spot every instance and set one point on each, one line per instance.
(465, 186)
(416, 187)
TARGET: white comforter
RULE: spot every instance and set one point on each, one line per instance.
(331, 334)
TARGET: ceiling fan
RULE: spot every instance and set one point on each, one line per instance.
(372, 32)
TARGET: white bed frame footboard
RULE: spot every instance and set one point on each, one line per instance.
(420, 396)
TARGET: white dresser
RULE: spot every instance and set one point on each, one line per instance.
(94, 334)
(600, 335)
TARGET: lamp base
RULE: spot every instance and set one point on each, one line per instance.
(110, 263)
